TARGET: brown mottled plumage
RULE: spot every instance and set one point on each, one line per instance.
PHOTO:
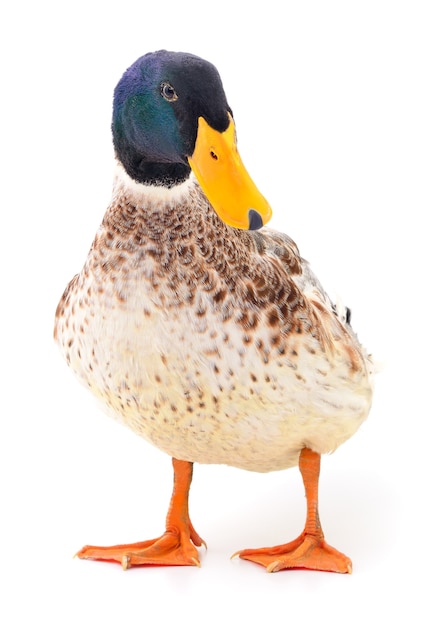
(217, 345)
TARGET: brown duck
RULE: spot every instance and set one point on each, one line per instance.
(206, 334)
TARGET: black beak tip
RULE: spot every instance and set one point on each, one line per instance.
(255, 220)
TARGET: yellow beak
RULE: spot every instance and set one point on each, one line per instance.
(222, 176)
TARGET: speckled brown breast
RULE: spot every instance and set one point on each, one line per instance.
(216, 345)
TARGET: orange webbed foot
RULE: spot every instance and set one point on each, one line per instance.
(305, 552)
(174, 547)
(178, 544)
(309, 550)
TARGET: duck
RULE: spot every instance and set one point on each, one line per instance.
(199, 327)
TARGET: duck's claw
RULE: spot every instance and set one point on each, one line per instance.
(178, 544)
(172, 548)
(305, 552)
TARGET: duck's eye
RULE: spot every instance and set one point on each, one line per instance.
(168, 92)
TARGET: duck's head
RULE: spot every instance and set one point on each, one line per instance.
(171, 116)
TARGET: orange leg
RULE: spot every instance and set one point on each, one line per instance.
(309, 550)
(175, 547)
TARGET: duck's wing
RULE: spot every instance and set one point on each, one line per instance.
(329, 321)
(280, 247)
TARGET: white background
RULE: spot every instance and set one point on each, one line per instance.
(330, 106)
